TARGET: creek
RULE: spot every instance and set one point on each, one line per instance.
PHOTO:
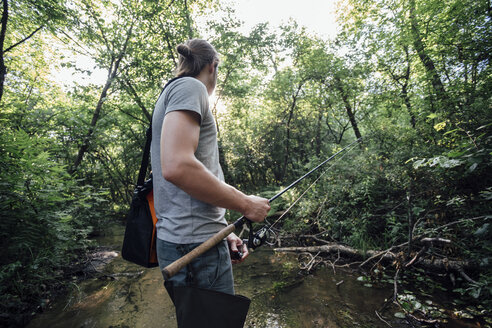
(123, 295)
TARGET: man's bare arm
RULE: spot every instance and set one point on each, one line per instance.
(179, 141)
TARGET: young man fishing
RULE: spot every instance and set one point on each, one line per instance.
(190, 194)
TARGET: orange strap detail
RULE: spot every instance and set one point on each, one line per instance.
(153, 252)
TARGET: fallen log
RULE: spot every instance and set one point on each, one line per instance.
(347, 251)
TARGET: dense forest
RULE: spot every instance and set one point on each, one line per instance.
(412, 79)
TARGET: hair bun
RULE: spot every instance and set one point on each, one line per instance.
(184, 51)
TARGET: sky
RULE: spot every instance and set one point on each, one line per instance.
(317, 15)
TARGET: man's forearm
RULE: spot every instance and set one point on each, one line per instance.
(179, 141)
(195, 179)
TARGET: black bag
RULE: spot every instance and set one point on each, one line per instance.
(198, 307)
(139, 243)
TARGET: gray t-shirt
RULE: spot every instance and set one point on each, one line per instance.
(183, 219)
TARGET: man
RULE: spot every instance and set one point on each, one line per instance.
(190, 194)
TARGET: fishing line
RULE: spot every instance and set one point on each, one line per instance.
(255, 239)
(271, 226)
(313, 170)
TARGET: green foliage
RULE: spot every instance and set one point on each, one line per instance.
(411, 77)
(45, 221)
(48, 209)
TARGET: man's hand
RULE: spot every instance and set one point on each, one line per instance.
(236, 245)
(257, 208)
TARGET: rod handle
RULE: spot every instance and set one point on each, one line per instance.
(177, 265)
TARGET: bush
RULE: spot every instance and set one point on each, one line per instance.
(45, 220)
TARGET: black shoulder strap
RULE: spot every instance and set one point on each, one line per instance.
(146, 152)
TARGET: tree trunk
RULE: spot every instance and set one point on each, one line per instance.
(348, 108)
(219, 94)
(112, 71)
(404, 89)
(188, 21)
(95, 117)
(441, 265)
(3, 68)
(131, 90)
(3, 31)
(428, 63)
(318, 133)
(287, 139)
(406, 99)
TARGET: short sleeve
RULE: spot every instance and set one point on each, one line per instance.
(188, 94)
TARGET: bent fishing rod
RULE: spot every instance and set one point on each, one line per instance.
(255, 239)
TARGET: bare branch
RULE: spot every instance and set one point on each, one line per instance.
(435, 240)
(467, 278)
(129, 87)
(23, 40)
(85, 51)
(94, 15)
(380, 318)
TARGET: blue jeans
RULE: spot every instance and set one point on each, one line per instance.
(212, 270)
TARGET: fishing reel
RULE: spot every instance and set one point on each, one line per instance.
(264, 235)
(258, 238)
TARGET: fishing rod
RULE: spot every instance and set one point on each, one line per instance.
(258, 238)
(255, 239)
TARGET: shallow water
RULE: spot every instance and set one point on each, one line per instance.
(129, 296)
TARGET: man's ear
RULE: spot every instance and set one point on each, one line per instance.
(211, 68)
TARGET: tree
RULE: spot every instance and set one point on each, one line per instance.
(113, 41)
(22, 15)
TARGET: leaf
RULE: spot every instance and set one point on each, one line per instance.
(483, 126)
(453, 154)
(419, 163)
(399, 315)
(447, 163)
(417, 210)
(440, 126)
(406, 306)
(410, 160)
(482, 230)
(451, 131)
(434, 161)
(475, 292)
(473, 167)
